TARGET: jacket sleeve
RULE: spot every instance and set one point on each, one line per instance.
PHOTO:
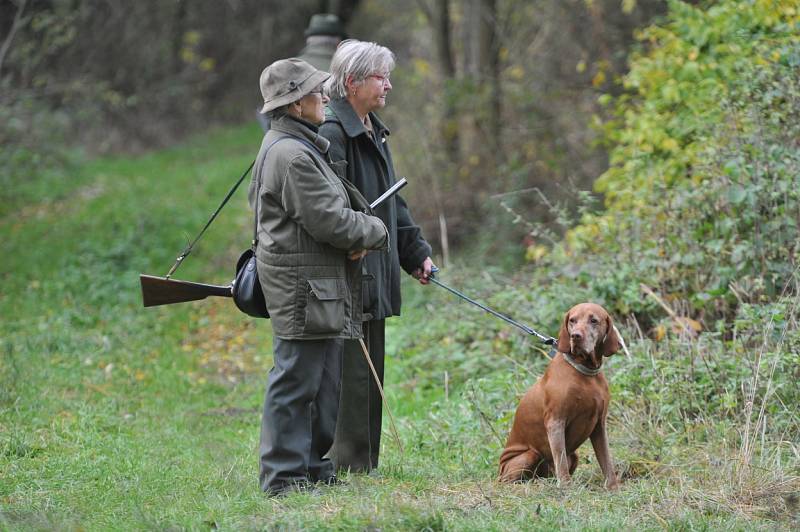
(411, 247)
(312, 201)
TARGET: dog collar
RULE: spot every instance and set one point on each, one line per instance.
(580, 368)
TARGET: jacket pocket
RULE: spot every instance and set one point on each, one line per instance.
(325, 311)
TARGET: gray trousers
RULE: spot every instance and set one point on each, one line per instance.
(299, 418)
(358, 430)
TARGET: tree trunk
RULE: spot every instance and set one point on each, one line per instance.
(439, 21)
(488, 70)
(178, 33)
(14, 27)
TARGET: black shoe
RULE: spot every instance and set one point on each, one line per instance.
(332, 480)
(298, 486)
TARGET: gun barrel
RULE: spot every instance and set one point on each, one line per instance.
(390, 191)
(164, 291)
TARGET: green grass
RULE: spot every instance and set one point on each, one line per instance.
(113, 416)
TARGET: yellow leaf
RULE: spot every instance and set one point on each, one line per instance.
(688, 323)
(516, 72)
(422, 66)
(669, 144)
(207, 64)
(191, 37)
(599, 79)
(535, 252)
(187, 54)
(628, 6)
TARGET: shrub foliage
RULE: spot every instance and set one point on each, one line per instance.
(702, 190)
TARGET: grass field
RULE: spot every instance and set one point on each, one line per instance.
(113, 416)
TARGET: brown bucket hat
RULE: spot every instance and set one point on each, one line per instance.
(287, 80)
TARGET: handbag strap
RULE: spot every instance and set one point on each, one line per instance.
(254, 242)
(188, 248)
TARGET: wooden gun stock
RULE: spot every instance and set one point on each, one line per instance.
(163, 291)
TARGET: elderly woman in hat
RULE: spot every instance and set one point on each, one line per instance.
(359, 85)
(309, 240)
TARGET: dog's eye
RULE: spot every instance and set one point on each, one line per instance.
(594, 320)
(573, 320)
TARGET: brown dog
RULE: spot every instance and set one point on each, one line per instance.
(567, 405)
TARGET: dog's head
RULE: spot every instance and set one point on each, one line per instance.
(588, 330)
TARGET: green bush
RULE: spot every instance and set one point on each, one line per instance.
(702, 193)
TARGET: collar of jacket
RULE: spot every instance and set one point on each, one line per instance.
(351, 123)
(300, 128)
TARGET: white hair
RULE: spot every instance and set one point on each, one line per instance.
(356, 60)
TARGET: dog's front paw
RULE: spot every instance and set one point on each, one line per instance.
(564, 482)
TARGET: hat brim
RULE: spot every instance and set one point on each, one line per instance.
(302, 90)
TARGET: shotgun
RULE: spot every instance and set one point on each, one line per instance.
(166, 291)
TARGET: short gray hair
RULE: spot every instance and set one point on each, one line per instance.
(357, 60)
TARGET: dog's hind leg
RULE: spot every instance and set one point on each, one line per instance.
(518, 463)
(573, 462)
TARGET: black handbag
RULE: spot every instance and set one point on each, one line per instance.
(246, 288)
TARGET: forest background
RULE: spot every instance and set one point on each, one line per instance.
(640, 154)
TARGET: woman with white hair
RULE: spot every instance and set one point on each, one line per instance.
(358, 87)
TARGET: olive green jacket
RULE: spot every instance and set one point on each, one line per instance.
(305, 230)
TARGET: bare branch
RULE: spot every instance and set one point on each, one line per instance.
(18, 22)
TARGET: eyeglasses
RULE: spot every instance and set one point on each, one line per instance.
(383, 78)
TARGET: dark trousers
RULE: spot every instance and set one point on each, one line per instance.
(299, 418)
(358, 430)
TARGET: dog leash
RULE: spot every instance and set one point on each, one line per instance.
(547, 340)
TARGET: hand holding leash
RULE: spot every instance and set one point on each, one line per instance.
(425, 272)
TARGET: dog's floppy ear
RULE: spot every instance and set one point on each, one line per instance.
(611, 344)
(563, 335)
